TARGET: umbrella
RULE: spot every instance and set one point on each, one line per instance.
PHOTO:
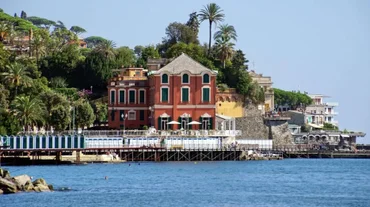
(173, 122)
(194, 122)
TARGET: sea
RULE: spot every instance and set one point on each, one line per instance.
(288, 182)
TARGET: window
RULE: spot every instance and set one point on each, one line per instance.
(142, 115)
(122, 96)
(185, 78)
(131, 115)
(164, 95)
(132, 96)
(137, 73)
(164, 78)
(205, 95)
(141, 96)
(184, 94)
(112, 96)
(205, 78)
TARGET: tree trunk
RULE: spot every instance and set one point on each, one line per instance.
(210, 38)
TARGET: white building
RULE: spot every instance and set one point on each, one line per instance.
(320, 112)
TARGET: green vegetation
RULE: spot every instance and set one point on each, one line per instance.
(292, 99)
(47, 77)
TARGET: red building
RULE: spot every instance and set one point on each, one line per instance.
(182, 91)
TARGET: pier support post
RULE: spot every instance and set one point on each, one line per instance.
(58, 156)
(78, 156)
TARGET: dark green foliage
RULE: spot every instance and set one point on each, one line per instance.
(328, 126)
(77, 30)
(292, 99)
(9, 124)
(41, 22)
(60, 117)
(93, 41)
(84, 114)
(193, 22)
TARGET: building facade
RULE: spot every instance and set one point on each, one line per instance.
(320, 112)
(266, 83)
(229, 103)
(183, 91)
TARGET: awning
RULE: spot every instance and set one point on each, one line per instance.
(194, 122)
(173, 122)
(315, 126)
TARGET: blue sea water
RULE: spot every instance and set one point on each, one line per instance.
(289, 182)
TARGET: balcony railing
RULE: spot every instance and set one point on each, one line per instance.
(332, 104)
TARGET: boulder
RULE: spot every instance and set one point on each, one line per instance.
(28, 186)
(4, 173)
(40, 185)
(1, 191)
(39, 181)
(8, 186)
(22, 179)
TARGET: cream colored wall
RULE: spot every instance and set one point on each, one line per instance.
(230, 108)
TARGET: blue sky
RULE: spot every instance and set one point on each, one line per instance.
(313, 45)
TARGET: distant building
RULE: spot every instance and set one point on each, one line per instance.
(266, 83)
(314, 115)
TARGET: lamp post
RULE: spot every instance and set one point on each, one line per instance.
(124, 116)
(151, 116)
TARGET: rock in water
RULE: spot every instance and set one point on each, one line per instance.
(8, 186)
(22, 179)
(28, 186)
(4, 173)
(41, 185)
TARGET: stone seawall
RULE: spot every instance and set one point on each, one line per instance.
(254, 126)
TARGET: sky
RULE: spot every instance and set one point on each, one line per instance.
(321, 47)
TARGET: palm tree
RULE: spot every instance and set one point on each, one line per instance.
(17, 75)
(28, 110)
(213, 13)
(106, 48)
(58, 82)
(226, 31)
(224, 49)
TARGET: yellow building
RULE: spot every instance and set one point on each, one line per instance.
(229, 103)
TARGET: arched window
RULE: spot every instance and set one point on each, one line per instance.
(185, 78)
(205, 78)
(164, 78)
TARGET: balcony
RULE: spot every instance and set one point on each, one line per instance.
(332, 113)
(331, 104)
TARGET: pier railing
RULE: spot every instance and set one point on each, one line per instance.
(138, 133)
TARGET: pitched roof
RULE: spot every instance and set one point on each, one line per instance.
(185, 63)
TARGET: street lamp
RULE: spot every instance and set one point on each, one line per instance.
(124, 116)
(151, 115)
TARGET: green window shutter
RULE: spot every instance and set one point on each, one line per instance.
(142, 115)
(185, 94)
(159, 123)
(190, 126)
(142, 98)
(205, 78)
(210, 123)
(112, 115)
(164, 94)
(169, 125)
(164, 78)
(201, 121)
(205, 94)
(185, 78)
(121, 96)
(112, 96)
(132, 96)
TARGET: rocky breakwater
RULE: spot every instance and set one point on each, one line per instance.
(21, 183)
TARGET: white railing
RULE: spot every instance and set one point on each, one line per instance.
(150, 132)
(331, 104)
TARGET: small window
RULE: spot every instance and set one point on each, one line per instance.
(141, 96)
(164, 78)
(137, 73)
(205, 78)
(112, 96)
(142, 115)
(132, 96)
(132, 115)
(185, 94)
(164, 95)
(185, 78)
(121, 115)
(206, 95)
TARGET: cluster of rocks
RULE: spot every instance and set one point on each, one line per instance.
(21, 183)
